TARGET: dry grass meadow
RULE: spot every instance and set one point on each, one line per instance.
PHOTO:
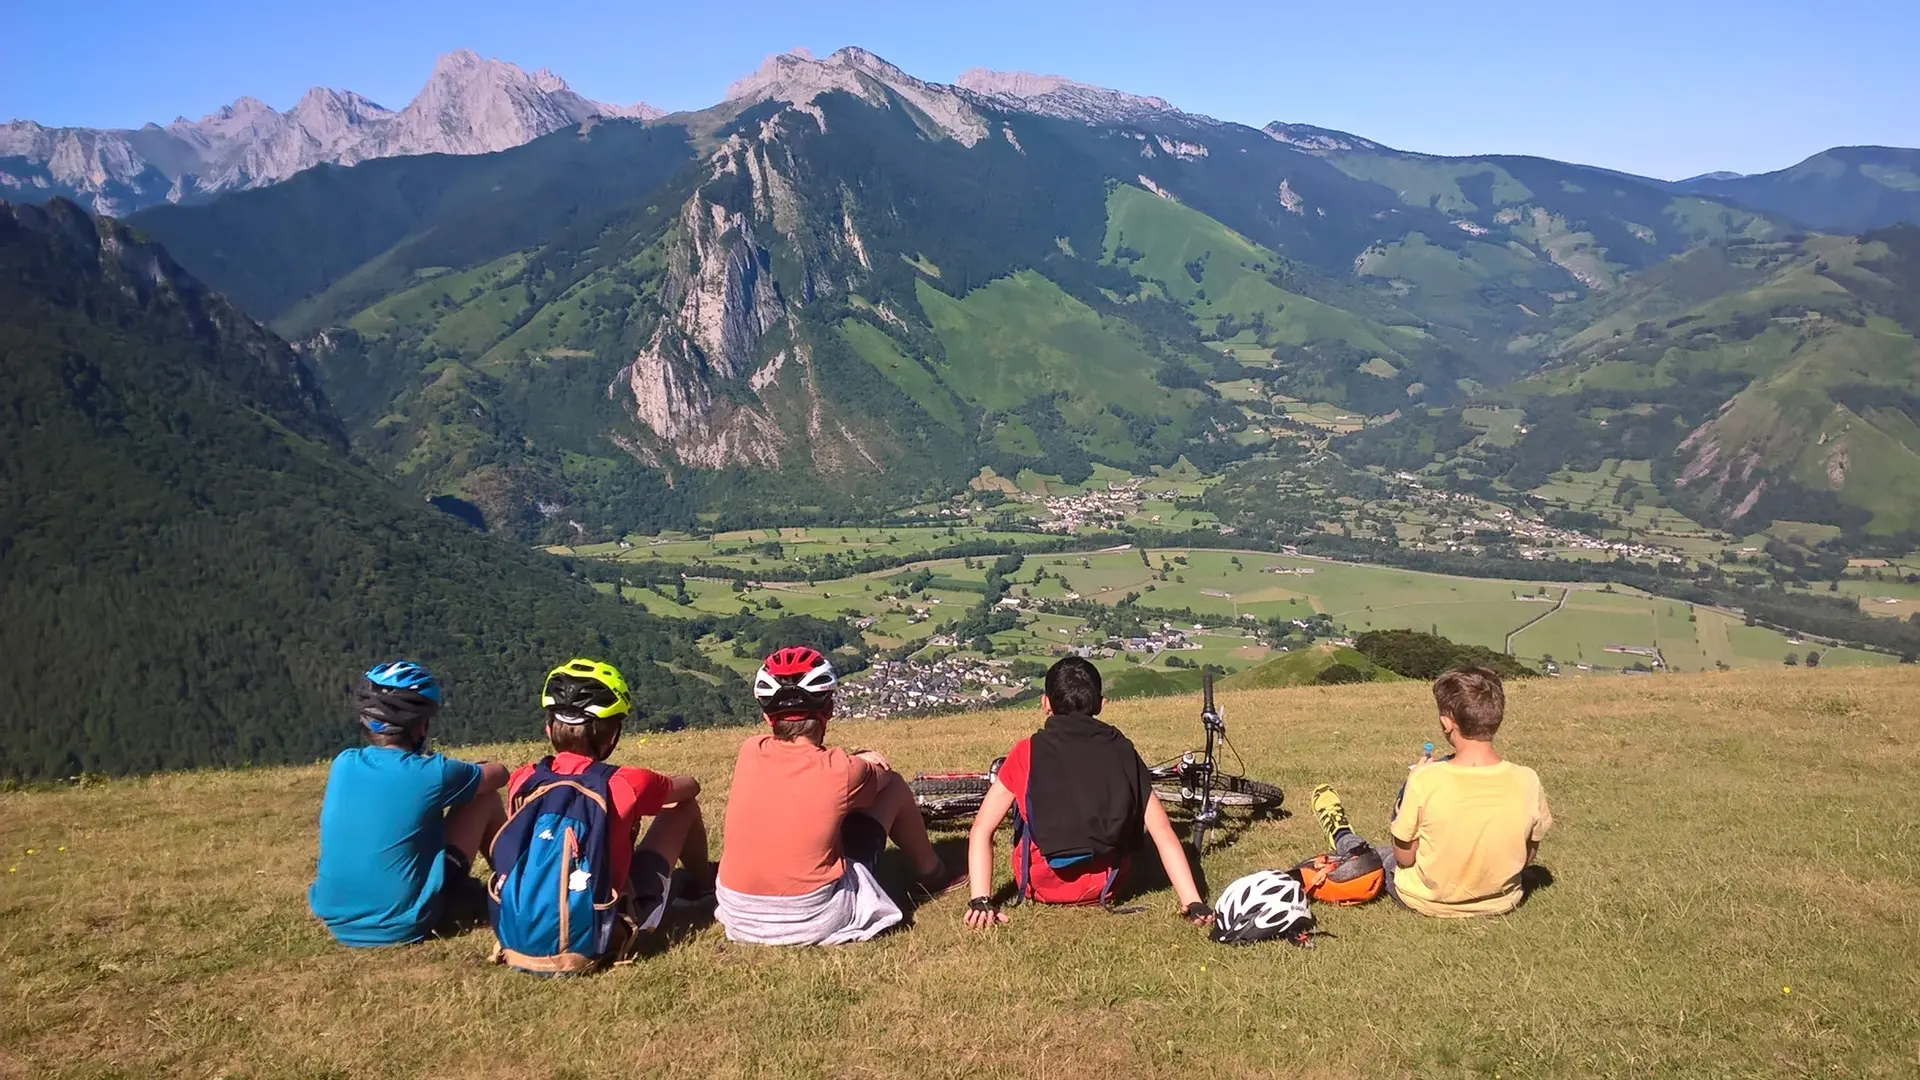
(1735, 896)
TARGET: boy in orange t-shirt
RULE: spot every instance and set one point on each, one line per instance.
(807, 822)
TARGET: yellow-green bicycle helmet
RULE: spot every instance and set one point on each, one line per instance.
(579, 689)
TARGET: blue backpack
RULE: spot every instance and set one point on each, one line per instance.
(554, 907)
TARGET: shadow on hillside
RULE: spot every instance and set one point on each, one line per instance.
(1145, 874)
(1223, 833)
(897, 872)
(1533, 879)
(680, 922)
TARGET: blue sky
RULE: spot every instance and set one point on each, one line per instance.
(1665, 89)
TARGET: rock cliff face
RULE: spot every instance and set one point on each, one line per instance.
(720, 299)
(727, 377)
(470, 105)
(1062, 98)
(1318, 140)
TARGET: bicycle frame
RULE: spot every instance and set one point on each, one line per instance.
(1207, 813)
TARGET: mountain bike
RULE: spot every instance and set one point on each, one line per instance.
(1194, 782)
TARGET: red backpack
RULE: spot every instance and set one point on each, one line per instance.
(1085, 881)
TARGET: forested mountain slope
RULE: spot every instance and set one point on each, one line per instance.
(195, 570)
(1846, 189)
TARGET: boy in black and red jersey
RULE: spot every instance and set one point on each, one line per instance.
(1083, 803)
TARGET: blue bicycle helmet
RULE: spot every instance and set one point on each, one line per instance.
(397, 696)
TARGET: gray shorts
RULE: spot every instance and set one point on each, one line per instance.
(1385, 851)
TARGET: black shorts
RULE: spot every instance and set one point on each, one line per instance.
(463, 897)
(862, 839)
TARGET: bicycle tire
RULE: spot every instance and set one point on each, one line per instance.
(948, 786)
(949, 798)
(1229, 791)
(1243, 792)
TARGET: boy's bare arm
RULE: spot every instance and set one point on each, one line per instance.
(1404, 852)
(681, 789)
(1173, 857)
(993, 810)
(493, 777)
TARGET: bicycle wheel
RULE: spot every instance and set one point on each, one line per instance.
(948, 786)
(1242, 792)
(947, 797)
(1171, 792)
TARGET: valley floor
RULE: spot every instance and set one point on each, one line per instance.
(1734, 896)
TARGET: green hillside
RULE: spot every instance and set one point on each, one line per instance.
(1755, 381)
(199, 566)
(1158, 240)
(322, 246)
(1593, 224)
(1301, 667)
(1775, 940)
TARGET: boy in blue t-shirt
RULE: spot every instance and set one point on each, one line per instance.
(399, 826)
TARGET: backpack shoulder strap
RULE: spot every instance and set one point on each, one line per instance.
(1023, 852)
(542, 769)
(599, 776)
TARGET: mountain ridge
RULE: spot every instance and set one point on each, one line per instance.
(469, 105)
(802, 297)
(1851, 189)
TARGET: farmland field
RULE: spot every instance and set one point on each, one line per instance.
(1228, 591)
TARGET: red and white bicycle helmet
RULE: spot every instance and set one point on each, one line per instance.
(795, 681)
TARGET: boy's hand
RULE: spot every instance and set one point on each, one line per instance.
(982, 915)
(874, 758)
(1198, 913)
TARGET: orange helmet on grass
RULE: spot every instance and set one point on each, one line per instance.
(1353, 878)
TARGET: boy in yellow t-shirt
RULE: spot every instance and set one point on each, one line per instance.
(1466, 825)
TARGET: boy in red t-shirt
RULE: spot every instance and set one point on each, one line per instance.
(1095, 807)
(806, 822)
(586, 704)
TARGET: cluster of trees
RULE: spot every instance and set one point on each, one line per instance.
(1426, 656)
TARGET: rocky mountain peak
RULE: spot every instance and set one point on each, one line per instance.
(797, 78)
(470, 105)
(1061, 97)
(456, 60)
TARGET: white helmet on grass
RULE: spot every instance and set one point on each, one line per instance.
(1263, 906)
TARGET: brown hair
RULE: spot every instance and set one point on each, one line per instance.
(799, 727)
(1474, 699)
(401, 738)
(595, 738)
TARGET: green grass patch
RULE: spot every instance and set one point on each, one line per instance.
(137, 945)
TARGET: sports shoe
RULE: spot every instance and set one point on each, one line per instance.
(696, 892)
(939, 883)
(1332, 816)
